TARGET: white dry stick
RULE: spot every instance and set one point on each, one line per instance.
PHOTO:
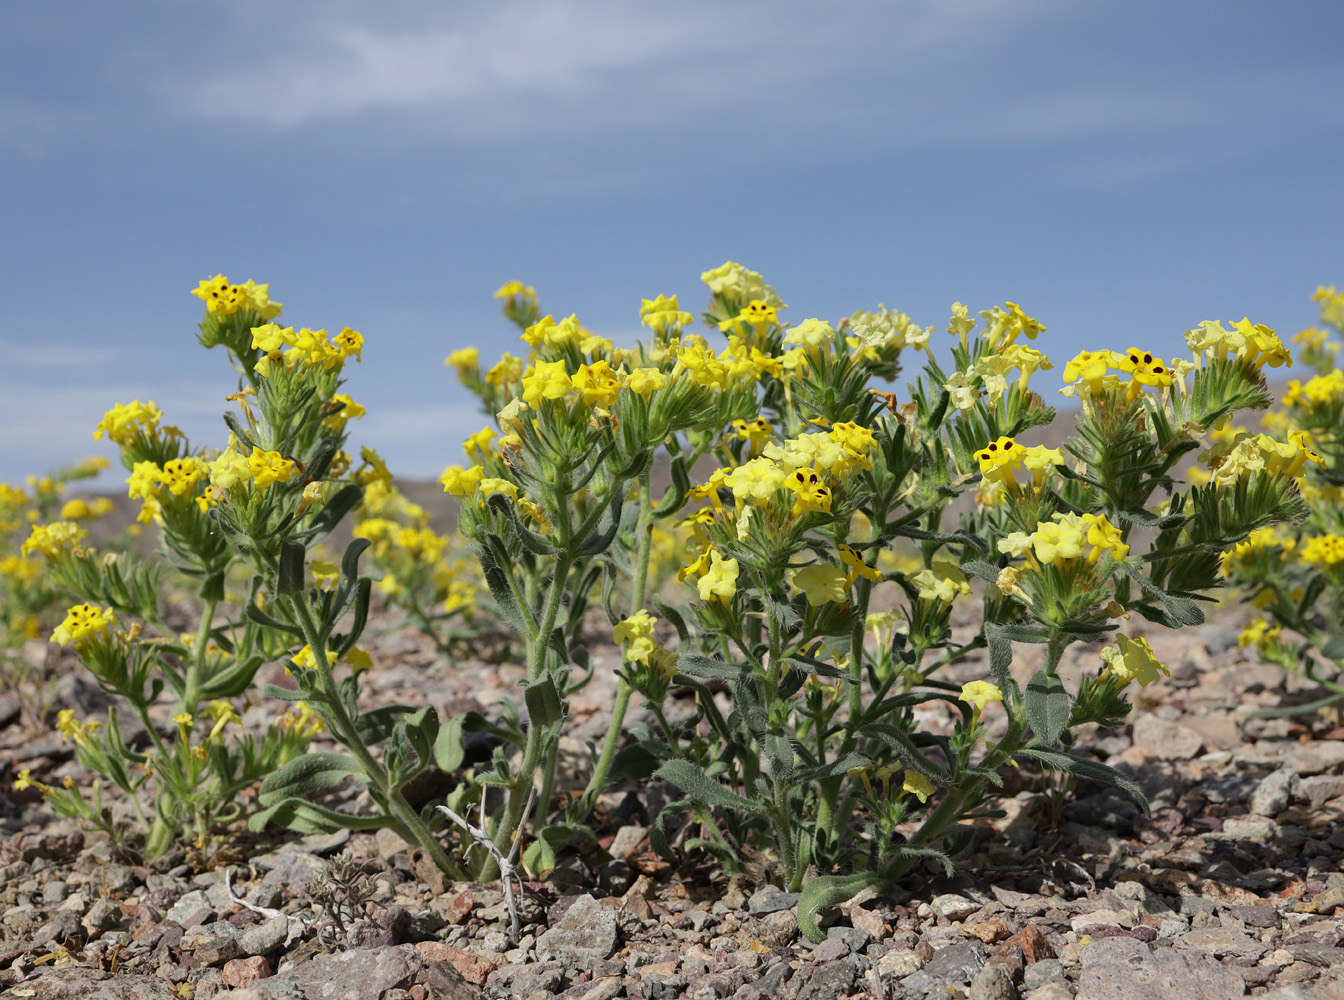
(507, 867)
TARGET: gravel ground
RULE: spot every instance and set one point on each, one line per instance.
(1232, 887)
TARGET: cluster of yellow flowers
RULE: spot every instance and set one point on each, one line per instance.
(1133, 659)
(311, 348)
(124, 422)
(81, 622)
(1260, 453)
(225, 299)
(1061, 541)
(1088, 374)
(1322, 550)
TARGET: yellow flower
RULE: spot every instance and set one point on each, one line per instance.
(465, 360)
(546, 380)
(1104, 537)
(857, 567)
(75, 732)
(663, 313)
(1133, 659)
(52, 539)
(349, 343)
(181, 474)
(1322, 550)
(223, 713)
(978, 694)
(720, 581)
(269, 467)
(82, 621)
(490, 485)
(1057, 542)
(480, 443)
(1258, 633)
(359, 660)
(821, 583)
(645, 381)
(598, 383)
(945, 585)
(756, 481)
(459, 481)
(917, 785)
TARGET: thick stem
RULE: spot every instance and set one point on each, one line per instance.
(375, 774)
(643, 548)
(521, 789)
(191, 696)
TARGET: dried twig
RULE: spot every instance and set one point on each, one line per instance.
(507, 865)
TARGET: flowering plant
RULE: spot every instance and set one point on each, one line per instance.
(1294, 574)
(818, 477)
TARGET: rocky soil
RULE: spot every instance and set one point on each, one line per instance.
(1232, 886)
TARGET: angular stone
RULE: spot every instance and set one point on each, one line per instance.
(79, 983)
(295, 868)
(1255, 916)
(829, 982)
(953, 907)
(587, 930)
(1273, 795)
(1167, 740)
(472, 967)
(243, 972)
(111, 880)
(993, 982)
(265, 937)
(956, 964)
(1032, 943)
(1223, 941)
(899, 964)
(769, 899)
(1321, 788)
(358, 974)
(1316, 757)
(1159, 975)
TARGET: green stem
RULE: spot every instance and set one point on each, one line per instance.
(191, 696)
(643, 547)
(521, 788)
(406, 820)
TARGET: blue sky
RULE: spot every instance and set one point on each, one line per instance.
(1123, 170)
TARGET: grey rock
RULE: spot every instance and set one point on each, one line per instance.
(1317, 954)
(1316, 757)
(769, 899)
(920, 984)
(773, 978)
(1160, 975)
(79, 983)
(829, 982)
(1321, 788)
(830, 950)
(1223, 941)
(218, 950)
(358, 974)
(1039, 973)
(265, 937)
(1273, 795)
(956, 964)
(586, 931)
(1255, 916)
(526, 979)
(294, 868)
(993, 982)
(953, 907)
(55, 892)
(111, 880)
(1051, 991)
(103, 915)
(855, 938)
(186, 906)
(1167, 740)
(1113, 950)
(1248, 828)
